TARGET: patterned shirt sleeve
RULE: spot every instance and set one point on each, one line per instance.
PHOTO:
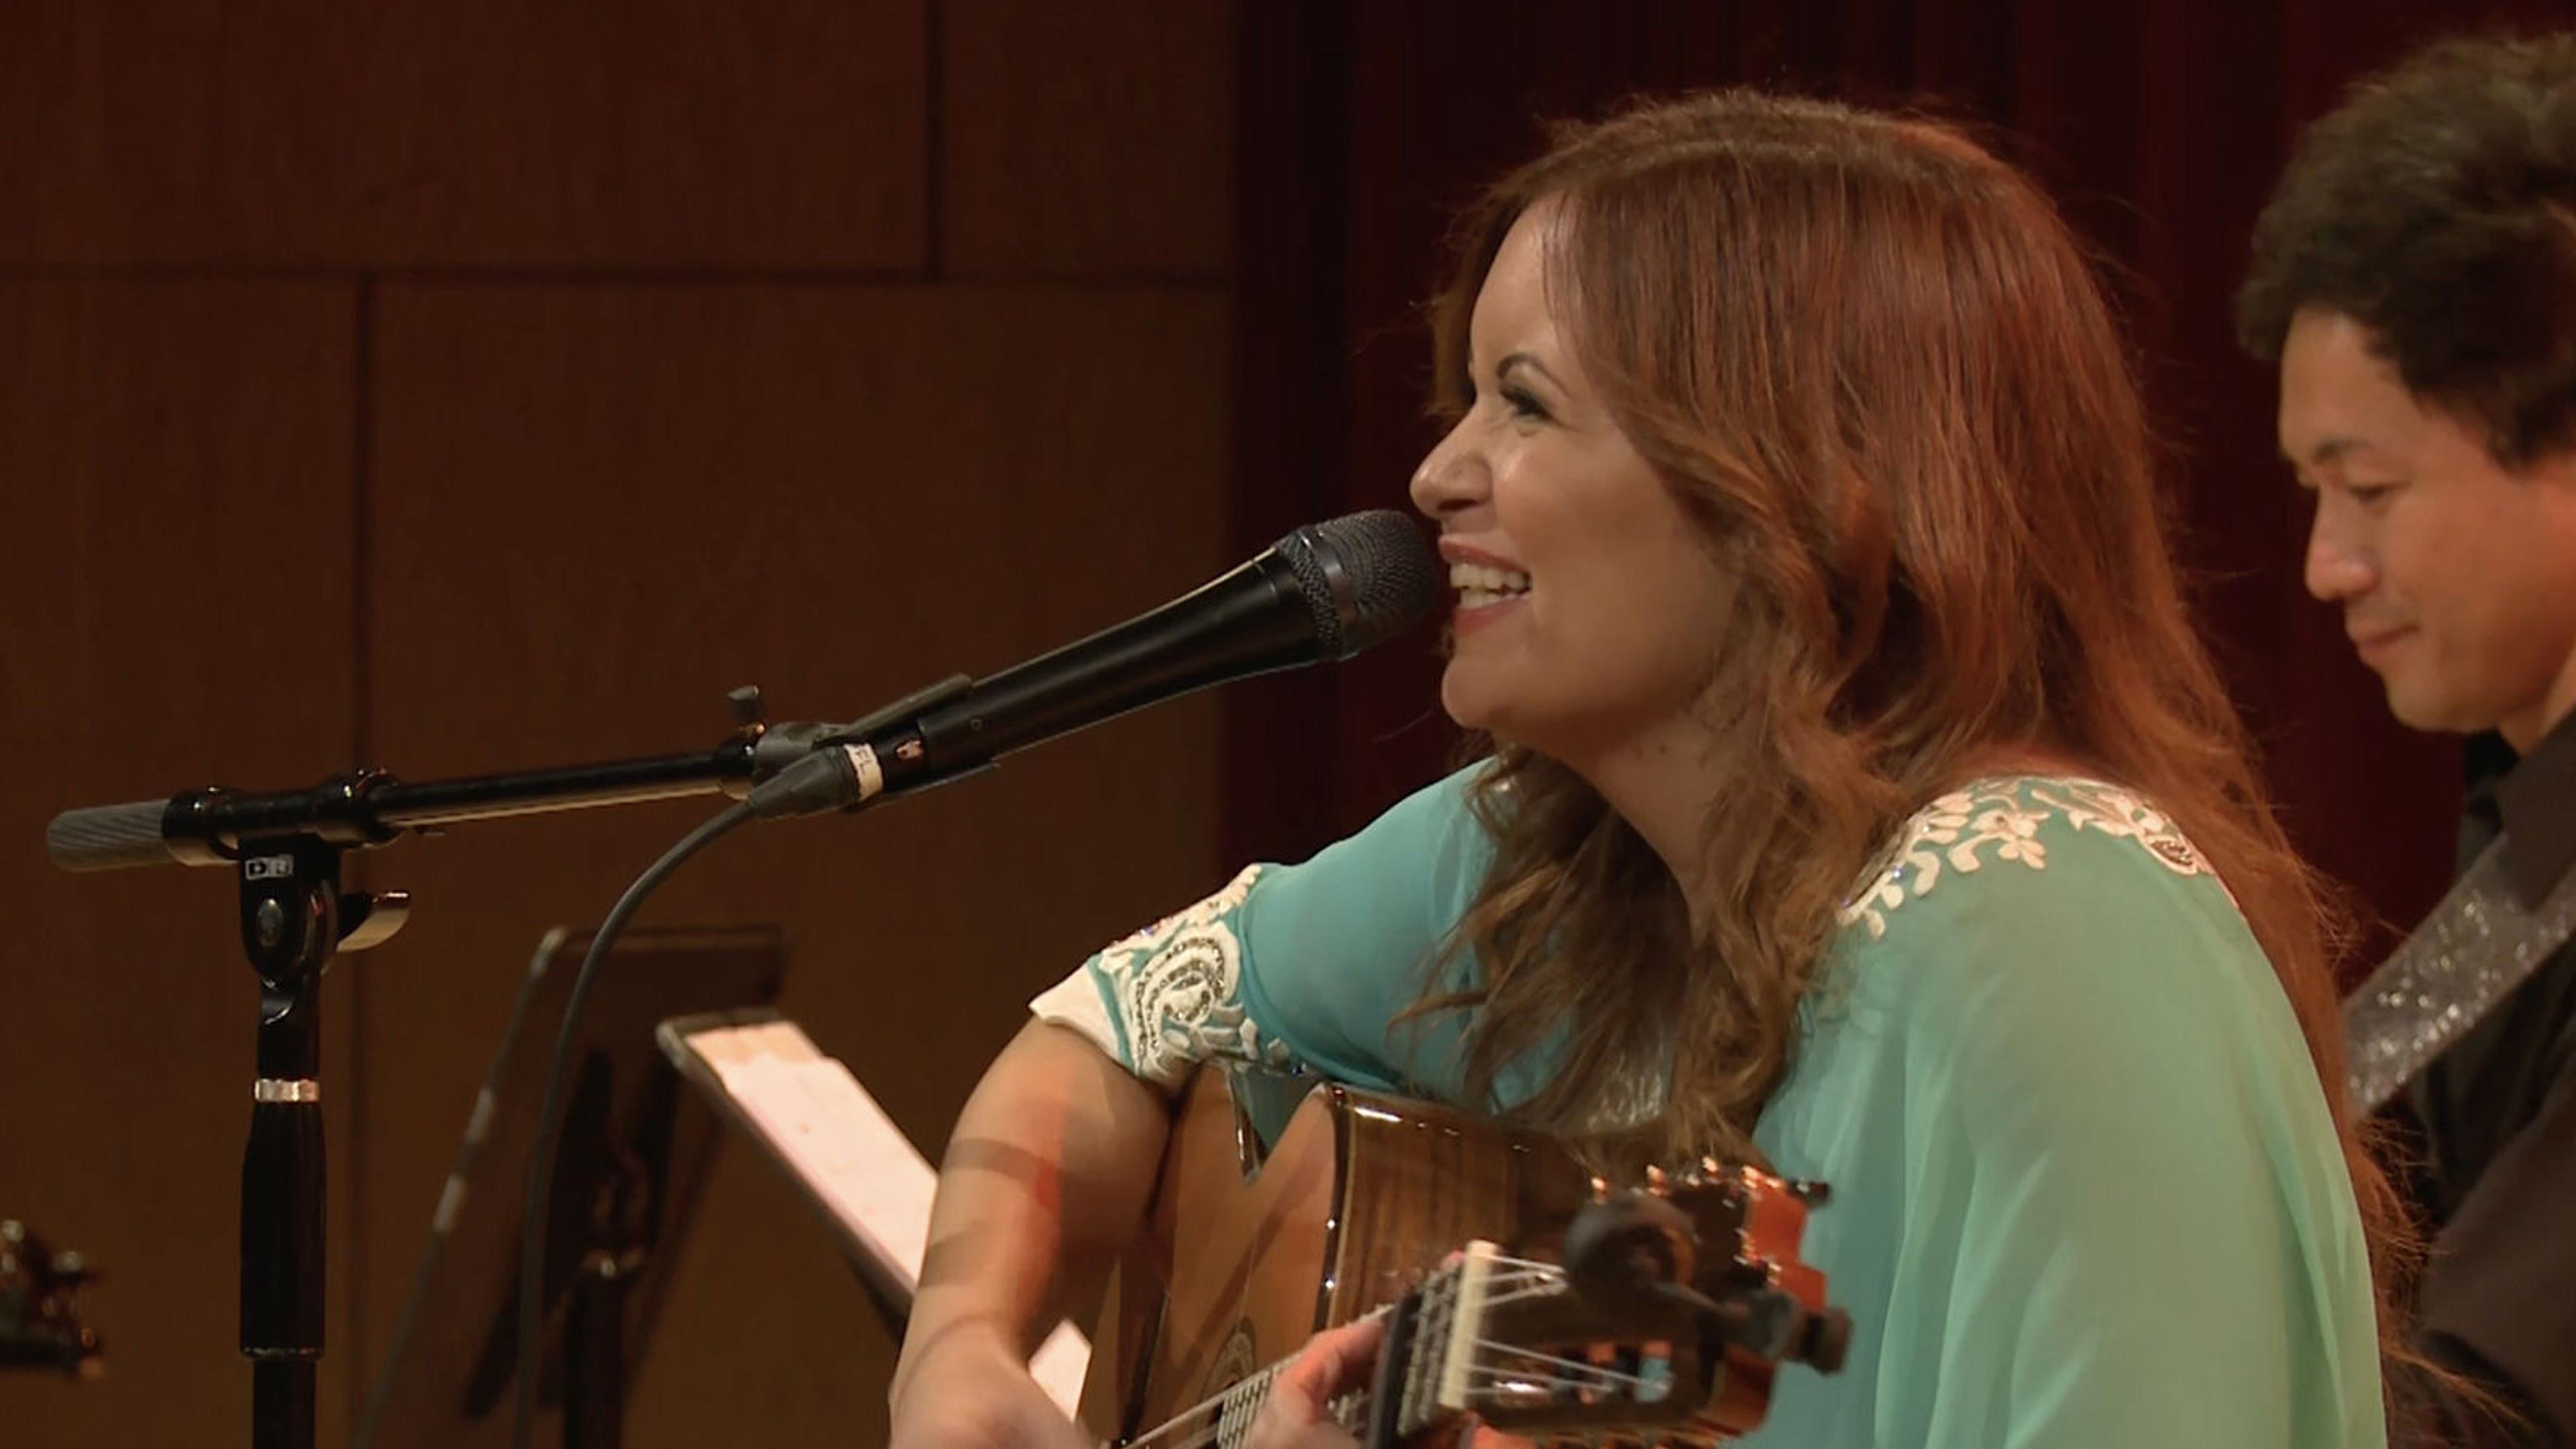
(1292, 967)
(1171, 995)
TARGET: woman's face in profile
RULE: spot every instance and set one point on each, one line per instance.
(1589, 609)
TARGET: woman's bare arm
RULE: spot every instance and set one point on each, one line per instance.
(1046, 1179)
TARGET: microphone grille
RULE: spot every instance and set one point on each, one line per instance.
(1367, 577)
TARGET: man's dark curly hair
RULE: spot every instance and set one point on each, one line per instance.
(2437, 207)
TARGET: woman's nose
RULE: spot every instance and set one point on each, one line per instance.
(1451, 477)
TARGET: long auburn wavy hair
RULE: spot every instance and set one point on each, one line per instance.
(1876, 369)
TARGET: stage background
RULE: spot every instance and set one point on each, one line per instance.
(475, 385)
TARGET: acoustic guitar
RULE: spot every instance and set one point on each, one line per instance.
(1517, 1286)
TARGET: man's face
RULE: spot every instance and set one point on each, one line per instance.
(2456, 575)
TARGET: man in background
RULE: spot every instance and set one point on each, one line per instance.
(2414, 276)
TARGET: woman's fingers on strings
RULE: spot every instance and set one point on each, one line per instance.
(1332, 1363)
(1336, 1361)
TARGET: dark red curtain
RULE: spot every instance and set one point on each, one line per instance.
(2159, 126)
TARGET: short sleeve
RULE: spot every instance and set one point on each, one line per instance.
(2087, 1190)
(1294, 967)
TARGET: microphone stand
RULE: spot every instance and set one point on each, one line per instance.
(296, 916)
(1323, 592)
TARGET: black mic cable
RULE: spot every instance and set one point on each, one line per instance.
(532, 1234)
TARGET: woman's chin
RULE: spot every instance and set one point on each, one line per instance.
(1467, 697)
(1478, 697)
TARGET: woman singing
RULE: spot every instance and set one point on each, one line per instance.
(1859, 802)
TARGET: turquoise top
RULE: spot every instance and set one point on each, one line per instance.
(2086, 1191)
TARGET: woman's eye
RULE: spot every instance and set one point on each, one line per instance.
(2369, 495)
(1523, 404)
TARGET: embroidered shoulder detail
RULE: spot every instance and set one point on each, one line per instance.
(2092, 805)
(1178, 987)
(2000, 820)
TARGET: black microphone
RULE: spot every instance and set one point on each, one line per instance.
(1322, 594)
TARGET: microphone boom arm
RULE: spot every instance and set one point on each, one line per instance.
(214, 826)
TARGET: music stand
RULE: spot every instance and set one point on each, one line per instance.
(630, 1165)
(858, 1172)
(872, 1238)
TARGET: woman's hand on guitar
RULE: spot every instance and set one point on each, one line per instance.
(972, 1392)
(1333, 1363)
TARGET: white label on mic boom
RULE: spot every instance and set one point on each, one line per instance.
(863, 763)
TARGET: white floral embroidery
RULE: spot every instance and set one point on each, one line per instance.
(1235, 893)
(2003, 817)
(1178, 989)
(2092, 805)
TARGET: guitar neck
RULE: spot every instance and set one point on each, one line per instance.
(1235, 1411)
(1410, 1367)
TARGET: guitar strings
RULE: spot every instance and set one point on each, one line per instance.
(1208, 1434)
(1587, 1375)
(1485, 1376)
(1550, 1288)
(1584, 1376)
(1524, 1278)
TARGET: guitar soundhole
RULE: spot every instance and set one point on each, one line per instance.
(1235, 1360)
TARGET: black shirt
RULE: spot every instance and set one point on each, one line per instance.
(2496, 1126)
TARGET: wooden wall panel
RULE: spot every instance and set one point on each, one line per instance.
(594, 328)
(1090, 139)
(599, 507)
(665, 134)
(175, 608)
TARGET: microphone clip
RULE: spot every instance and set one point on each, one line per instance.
(803, 768)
